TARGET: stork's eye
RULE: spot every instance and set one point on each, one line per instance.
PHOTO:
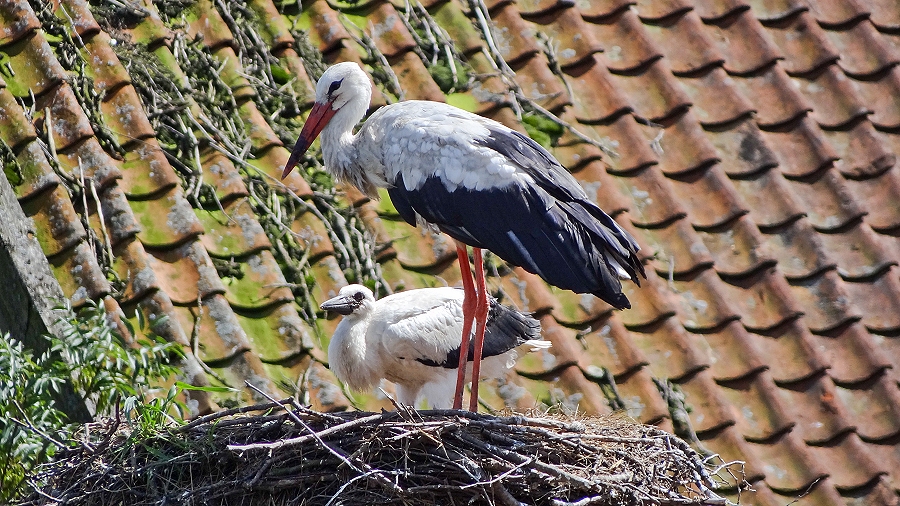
(359, 296)
(334, 86)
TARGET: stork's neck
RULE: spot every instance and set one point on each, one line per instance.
(340, 149)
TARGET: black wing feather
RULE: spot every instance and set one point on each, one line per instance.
(550, 229)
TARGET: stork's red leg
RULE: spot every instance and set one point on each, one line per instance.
(481, 314)
(470, 299)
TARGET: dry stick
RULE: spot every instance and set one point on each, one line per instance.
(228, 412)
(306, 438)
(547, 468)
(333, 450)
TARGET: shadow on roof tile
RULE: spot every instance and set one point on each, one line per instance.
(685, 147)
(864, 151)
(79, 275)
(626, 42)
(88, 162)
(873, 406)
(714, 10)
(817, 409)
(673, 353)
(610, 345)
(745, 44)
(657, 10)
(837, 103)
(853, 354)
(134, 267)
(207, 23)
(799, 250)
(709, 197)
(703, 307)
(802, 41)
(737, 248)
(418, 248)
(654, 203)
(279, 335)
(792, 352)
(876, 299)
(259, 285)
(678, 248)
(769, 199)
(889, 454)
(219, 337)
(103, 65)
(760, 413)
(600, 10)
(651, 302)
(513, 37)
(863, 50)
(733, 353)
(777, 102)
(653, 93)
(832, 14)
(885, 15)
(763, 299)
(450, 16)
(67, 122)
(167, 220)
(17, 21)
(821, 493)
(415, 78)
(716, 98)
(788, 464)
(146, 171)
(576, 391)
(329, 279)
(858, 252)
(881, 95)
(850, 466)
(57, 225)
(34, 175)
(186, 273)
(234, 233)
(828, 203)
(685, 43)
(15, 128)
(825, 301)
(326, 31)
(601, 187)
(708, 410)
(538, 83)
(34, 66)
(570, 36)
(312, 235)
(595, 96)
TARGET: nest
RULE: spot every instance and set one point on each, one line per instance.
(281, 453)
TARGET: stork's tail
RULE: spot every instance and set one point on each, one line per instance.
(512, 322)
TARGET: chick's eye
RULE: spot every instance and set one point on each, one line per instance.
(358, 296)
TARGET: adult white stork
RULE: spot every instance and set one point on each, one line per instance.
(483, 184)
(414, 338)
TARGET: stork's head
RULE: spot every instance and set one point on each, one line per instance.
(342, 97)
(351, 300)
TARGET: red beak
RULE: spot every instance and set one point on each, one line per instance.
(319, 117)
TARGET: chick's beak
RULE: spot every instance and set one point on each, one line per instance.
(342, 304)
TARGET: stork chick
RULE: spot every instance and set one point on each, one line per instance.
(413, 338)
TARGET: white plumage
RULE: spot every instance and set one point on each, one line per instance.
(409, 338)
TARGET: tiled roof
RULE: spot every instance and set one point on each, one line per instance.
(755, 161)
